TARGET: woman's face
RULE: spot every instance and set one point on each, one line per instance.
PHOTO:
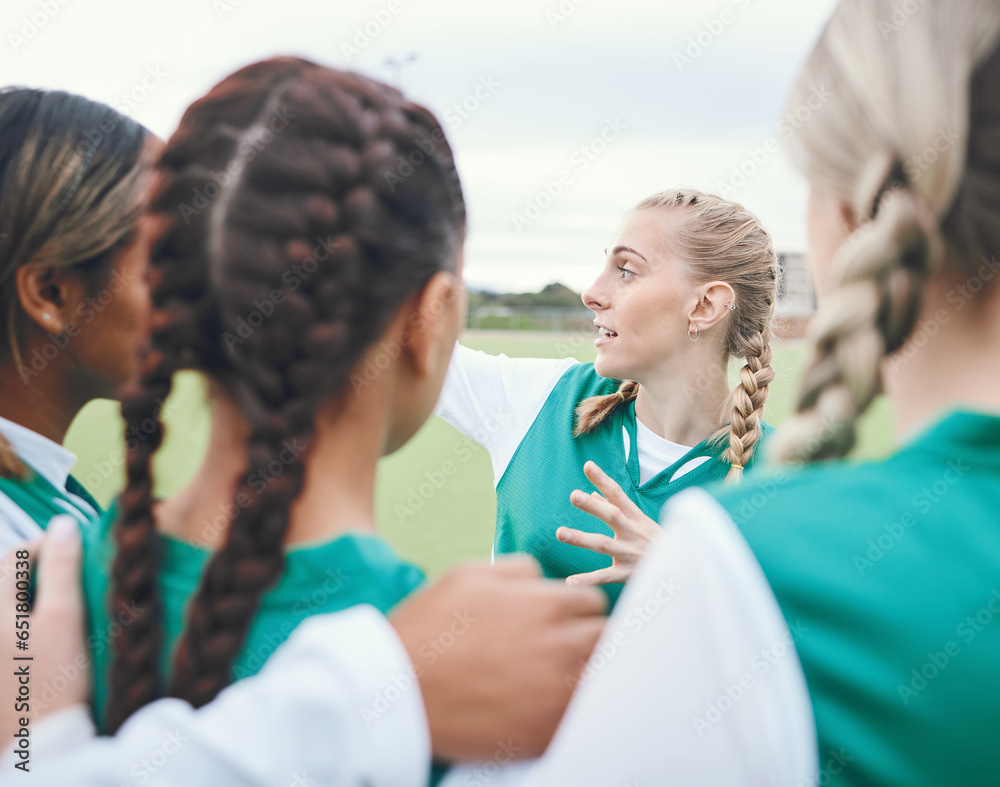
(113, 323)
(828, 229)
(641, 298)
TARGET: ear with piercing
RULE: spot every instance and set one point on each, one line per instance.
(731, 308)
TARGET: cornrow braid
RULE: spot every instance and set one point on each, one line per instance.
(292, 233)
(134, 677)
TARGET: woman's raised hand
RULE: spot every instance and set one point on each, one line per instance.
(634, 531)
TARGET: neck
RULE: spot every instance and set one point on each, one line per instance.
(44, 405)
(946, 363)
(338, 490)
(684, 406)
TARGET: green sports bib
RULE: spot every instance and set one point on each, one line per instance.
(356, 568)
(533, 494)
(888, 574)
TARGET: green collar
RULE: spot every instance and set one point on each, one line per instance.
(41, 501)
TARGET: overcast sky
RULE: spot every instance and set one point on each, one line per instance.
(683, 94)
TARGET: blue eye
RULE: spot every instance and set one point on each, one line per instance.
(625, 271)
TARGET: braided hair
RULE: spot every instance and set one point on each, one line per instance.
(299, 206)
(719, 239)
(917, 205)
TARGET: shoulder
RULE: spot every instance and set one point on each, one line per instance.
(778, 493)
(581, 381)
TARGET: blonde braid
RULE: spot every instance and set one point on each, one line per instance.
(592, 412)
(881, 271)
(747, 402)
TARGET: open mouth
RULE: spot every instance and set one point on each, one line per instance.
(604, 332)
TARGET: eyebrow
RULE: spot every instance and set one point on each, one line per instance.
(618, 249)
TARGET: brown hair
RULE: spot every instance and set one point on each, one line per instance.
(71, 190)
(920, 204)
(719, 239)
(330, 198)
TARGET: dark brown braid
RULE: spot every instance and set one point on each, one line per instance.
(338, 200)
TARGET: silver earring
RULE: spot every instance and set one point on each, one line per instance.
(46, 316)
(695, 337)
(731, 308)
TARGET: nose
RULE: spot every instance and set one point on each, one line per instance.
(594, 297)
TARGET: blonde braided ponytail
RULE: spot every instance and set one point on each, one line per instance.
(918, 204)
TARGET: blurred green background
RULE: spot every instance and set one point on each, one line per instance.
(435, 526)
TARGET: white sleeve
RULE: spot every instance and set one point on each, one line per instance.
(695, 680)
(494, 399)
(337, 704)
(16, 527)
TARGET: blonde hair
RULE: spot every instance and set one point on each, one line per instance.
(71, 188)
(909, 141)
(719, 239)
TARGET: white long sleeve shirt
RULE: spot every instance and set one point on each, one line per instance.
(298, 722)
(695, 681)
(494, 400)
(51, 461)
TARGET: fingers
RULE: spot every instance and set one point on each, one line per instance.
(603, 576)
(595, 505)
(609, 487)
(595, 542)
(59, 566)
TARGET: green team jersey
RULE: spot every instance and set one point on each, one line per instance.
(892, 570)
(356, 568)
(41, 501)
(533, 493)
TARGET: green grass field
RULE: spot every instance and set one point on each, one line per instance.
(435, 500)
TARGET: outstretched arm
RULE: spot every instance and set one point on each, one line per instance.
(494, 399)
(342, 702)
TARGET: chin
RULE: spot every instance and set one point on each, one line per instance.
(607, 368)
